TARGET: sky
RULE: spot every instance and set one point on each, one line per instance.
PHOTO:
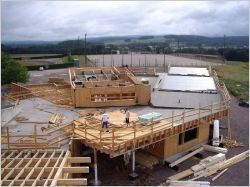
(61, 20)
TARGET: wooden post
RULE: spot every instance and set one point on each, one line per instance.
(8, 137)
(134, 134)
(85, 129)
(164, 63)
(131, 59)
(103, 60)
(113, 138)
(199, 114)
(35, 137)
(183, 116)
(152, 131)
(101, 137)
(172, 118)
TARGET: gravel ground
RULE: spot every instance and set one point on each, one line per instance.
(37, 77)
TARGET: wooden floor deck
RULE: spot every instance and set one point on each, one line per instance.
(120, 139)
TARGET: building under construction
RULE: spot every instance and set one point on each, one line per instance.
(49, 152)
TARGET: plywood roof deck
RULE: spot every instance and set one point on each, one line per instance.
(41, 168)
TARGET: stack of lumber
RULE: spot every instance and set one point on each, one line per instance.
(55, 80)
(215, 149)
(146, 160)
(56, 118)
(219, 166)
(207, 162)
(190, 183)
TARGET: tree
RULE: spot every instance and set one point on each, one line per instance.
(12, 71)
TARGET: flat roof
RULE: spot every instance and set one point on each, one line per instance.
(185, 83)
(188, 71)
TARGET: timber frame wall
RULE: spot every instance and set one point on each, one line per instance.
(125, 91)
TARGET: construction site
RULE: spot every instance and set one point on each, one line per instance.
(53, 132)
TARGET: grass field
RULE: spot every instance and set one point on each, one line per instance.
(31, 63)
(80, 57)
(30, 55)
(236, 77)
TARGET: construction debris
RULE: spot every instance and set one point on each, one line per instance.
(209, 169)
(21, 118)
(215, 149)
(56, 118)
(145, 159)
(229, 143)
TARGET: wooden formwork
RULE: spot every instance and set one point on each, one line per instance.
(103, 90)
(42, 168)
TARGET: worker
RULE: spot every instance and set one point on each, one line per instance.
(127, 116)
(105, 120)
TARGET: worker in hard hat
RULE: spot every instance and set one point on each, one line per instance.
(127, 116)
(105, 121)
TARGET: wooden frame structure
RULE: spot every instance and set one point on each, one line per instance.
(42, 168)
(120, 141)
(107, 86)
(57, 93)
(52, 139)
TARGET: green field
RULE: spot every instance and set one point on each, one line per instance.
(30, 55)
(80, 57)
(236, 77)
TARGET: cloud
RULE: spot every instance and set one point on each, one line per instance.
(59, 20)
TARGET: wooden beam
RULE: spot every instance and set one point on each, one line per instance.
(217, 176)
(186, 157)
(181, 175)
(79, 160)
(60, 170)
(215, 149)
(53, 169)
(84, 169)
(72, 182)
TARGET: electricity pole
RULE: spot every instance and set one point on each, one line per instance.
(224, 47)
(85, 51)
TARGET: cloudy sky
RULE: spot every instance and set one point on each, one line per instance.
(60, 20)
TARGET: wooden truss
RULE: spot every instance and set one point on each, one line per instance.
(42, 168)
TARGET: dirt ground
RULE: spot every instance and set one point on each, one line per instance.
(113, 172)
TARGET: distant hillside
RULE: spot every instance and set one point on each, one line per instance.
(125, 43)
